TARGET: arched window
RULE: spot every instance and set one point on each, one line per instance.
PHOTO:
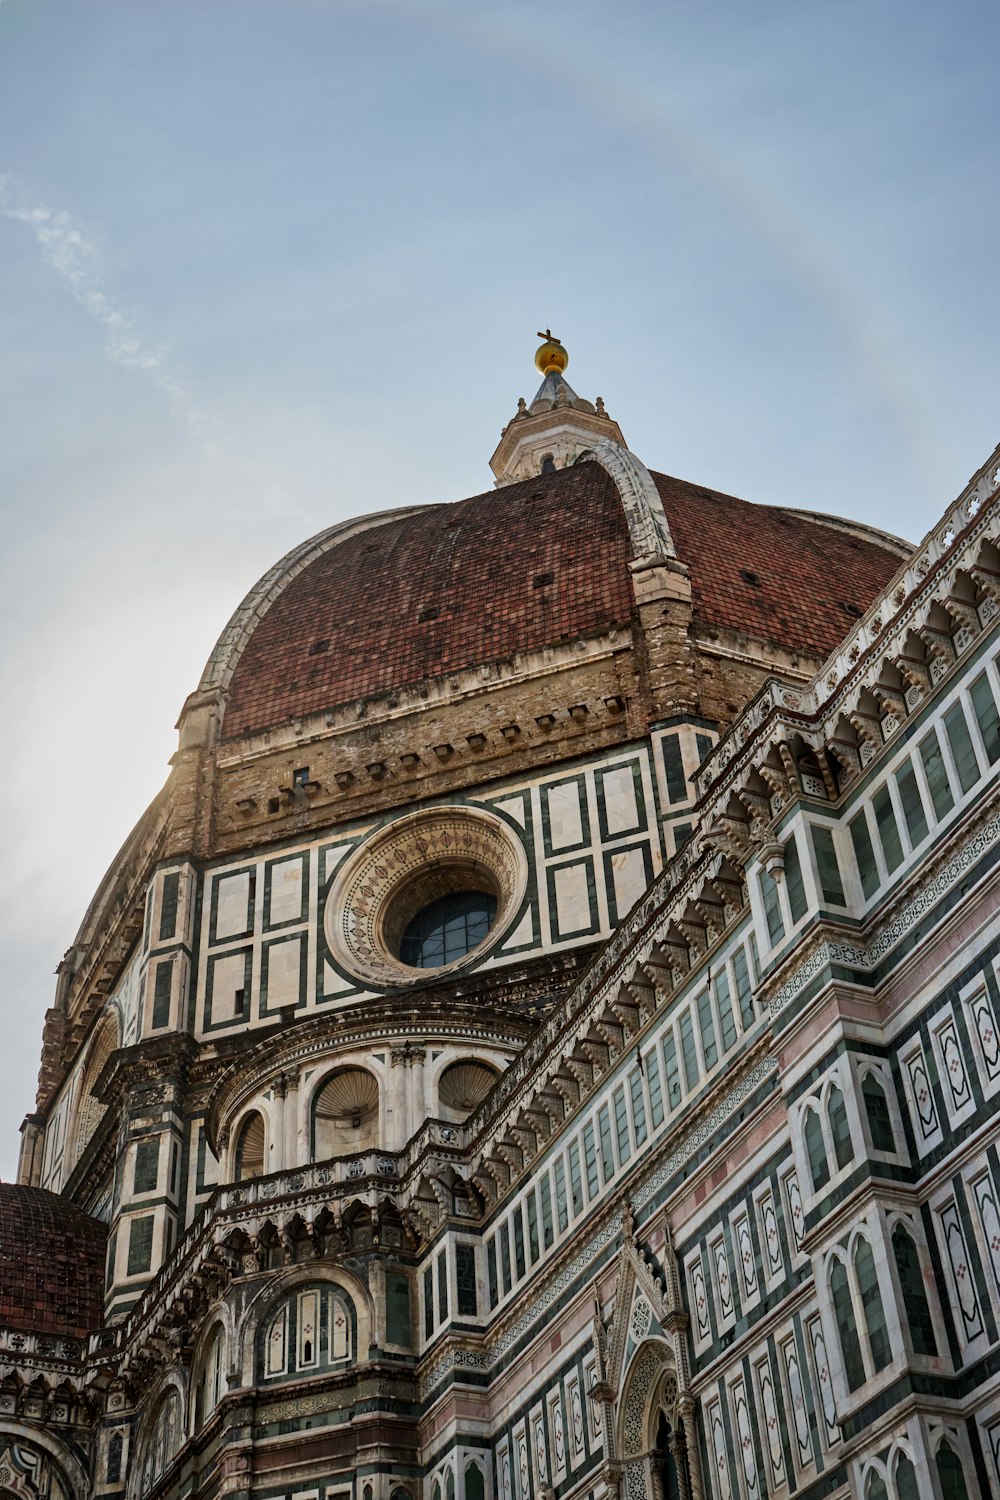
(911, 1285)
(847, 1328)
(475, 1488)
(875, 1488)
(163, 1440)
(345, 1113)
(209, 1389)
(665, 1460)
(877, 1111)
(314, 1329)
(449, 1486)
(819, 1167)
(113, 1472)
(249, 1157)
(871, 1303)
(463, 1086)
(906, 1479)
(951, 1476)
(839, 1128)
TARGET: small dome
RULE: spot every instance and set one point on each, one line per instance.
(51, 1264)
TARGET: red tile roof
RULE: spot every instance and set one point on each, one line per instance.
(802, 573)
(529, 565)
(51, 1264)
(514, 569)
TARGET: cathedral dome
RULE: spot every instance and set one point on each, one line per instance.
(51, 1264)
(388, 601)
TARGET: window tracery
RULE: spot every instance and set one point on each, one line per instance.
(163, 1440)
(211, 1377)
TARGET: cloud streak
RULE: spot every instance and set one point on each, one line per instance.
(73, 256)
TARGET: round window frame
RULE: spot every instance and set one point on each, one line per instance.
(403, 867)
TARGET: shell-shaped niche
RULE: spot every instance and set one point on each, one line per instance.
(250, 1148)
(463, 1086)
(345, 1113)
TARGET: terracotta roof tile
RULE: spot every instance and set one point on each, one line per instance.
(529, 565)
(51, 1264)
(512, 570)
(771, 573)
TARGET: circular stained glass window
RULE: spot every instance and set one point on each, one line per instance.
(447, 929)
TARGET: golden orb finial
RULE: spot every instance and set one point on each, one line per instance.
(551, 358)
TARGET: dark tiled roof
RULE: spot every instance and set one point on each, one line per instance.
(51, 1264)
(802, 573)
(526, 566)
(435, 592)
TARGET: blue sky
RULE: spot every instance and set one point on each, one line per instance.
(268, 265)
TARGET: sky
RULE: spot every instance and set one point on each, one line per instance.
(264, 266)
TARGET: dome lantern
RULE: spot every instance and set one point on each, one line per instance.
(552, 430)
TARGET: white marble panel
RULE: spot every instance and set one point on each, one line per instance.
(513, 807)
(522, 935)
(233, 900)
(620, 810)
(628, 872)
(572, 899)
(228, 976)
(565, 819)
(283, 967)
(333, 984)
(286, 891)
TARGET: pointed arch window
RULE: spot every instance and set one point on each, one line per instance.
(250, 1144)
(208, 1391)
(871, 1303)
(847, 1328)
(163, 1440)
(877, 1112)
(475, 1488)
(113, 1472)
(840, 1128)
(875, 1488)
(906, 1479)
(914, 1292)
(819, 1166)
(951, 1475)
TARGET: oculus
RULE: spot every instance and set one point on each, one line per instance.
(428, 894)
(446, 930)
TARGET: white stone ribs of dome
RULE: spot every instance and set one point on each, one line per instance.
(225, 656)
(649, 532)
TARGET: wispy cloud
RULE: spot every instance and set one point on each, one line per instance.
(68, 251)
